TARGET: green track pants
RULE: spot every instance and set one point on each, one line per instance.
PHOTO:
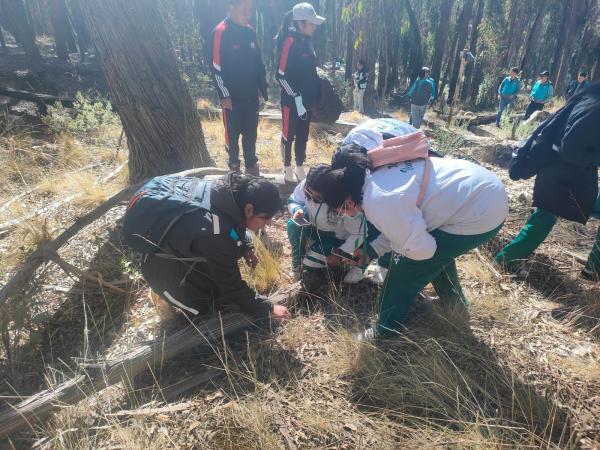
(536, 230)
(315, 257)
(407, 277)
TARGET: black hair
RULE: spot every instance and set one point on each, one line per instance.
(287, 24)
(583, 74)
(515, 70)
(339, 158)
(259, 192)
(315, 175)
(347, 177)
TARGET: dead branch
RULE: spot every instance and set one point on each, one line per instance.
(153, 411)
(98, 375)
(95, 277)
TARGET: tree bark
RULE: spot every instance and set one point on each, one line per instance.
(533, 32)
(61, 27)
(472, 70)
(159, 117)
(349, 48)
(567, 38)
(14, 17)
(416, 48)
(2, 41)
(81, 31)
(462, 30)
(441, 38)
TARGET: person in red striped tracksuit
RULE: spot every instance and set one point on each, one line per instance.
(300, 86)
(240, 78)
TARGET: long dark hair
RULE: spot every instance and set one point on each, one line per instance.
(347, 177)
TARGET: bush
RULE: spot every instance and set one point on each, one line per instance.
(89, 117)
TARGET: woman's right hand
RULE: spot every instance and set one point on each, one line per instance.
(298, 214)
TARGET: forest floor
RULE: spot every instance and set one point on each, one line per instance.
(522, 371)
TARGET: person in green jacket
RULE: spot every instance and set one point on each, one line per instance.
(577, 86)
(541, 94)
(507, 92)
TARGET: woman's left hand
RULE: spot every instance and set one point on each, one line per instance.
(251, 258)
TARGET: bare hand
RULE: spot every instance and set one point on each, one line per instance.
(251, 258)
(334, 261)
(358, 254)
(226, 103)
(280, 313)
(298, 214)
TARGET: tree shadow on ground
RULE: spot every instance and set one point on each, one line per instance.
(438, 374)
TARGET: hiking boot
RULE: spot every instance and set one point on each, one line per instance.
(234, 167)
(300, 173)
(288, 175)
(590, 275)
(253, 170)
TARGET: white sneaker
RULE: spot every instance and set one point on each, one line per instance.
(300, 173)
(288, 174)
(354, 275)
(378, 274)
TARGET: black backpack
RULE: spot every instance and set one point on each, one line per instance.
(329, 107)
(158, 205)
(422, 93)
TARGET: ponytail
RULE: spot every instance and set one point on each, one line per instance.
(284, 30)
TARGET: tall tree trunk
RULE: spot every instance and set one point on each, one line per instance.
(466, 93)
(159, 117)
(586, 44)
(416, 48)
(533, 32)
(83, 35)
(567, 38)
(462, 30)
(15, 20)
(441, 38)
(349, 47)
(61, 27)
(558, 33)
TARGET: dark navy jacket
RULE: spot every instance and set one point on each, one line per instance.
(237, 66)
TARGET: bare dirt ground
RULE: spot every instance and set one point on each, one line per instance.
(521, 371)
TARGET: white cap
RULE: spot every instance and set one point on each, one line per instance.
(305, 11)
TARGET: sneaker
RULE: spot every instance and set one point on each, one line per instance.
(367, 335)
(253, 170)
(300, 173)
(234, 167)
(288, 174)
(354, 275)
(377, 273)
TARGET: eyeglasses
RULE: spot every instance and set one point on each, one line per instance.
(312, 196)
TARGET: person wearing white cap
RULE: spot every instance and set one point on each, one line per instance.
(300, 85)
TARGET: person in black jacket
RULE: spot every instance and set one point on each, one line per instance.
(564, 155)
(240, 78)
(198, 262)
(300, 85)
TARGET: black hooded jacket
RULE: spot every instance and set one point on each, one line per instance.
(564, 154)
(217, 254)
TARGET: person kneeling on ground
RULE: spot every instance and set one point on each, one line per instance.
(316, 235)
(429, 212)
(191, 234)
(563, 153)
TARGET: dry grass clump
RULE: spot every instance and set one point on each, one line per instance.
(266, 276)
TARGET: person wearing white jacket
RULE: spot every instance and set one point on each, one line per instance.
(327, 230)
(460, 207)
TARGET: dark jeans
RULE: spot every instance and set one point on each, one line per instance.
(294, 128)
(533, 107)
(242, 119)
(505, 102)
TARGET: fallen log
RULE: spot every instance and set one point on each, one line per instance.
(41, 99)
(340, 126)
(98, 375)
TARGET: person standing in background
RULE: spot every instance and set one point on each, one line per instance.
(507, 92)
(240, 78)
(577, 86)
(541, 94)
(300, 84)
(421, 94)
(361, 79)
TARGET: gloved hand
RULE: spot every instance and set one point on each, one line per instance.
(300, 106)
